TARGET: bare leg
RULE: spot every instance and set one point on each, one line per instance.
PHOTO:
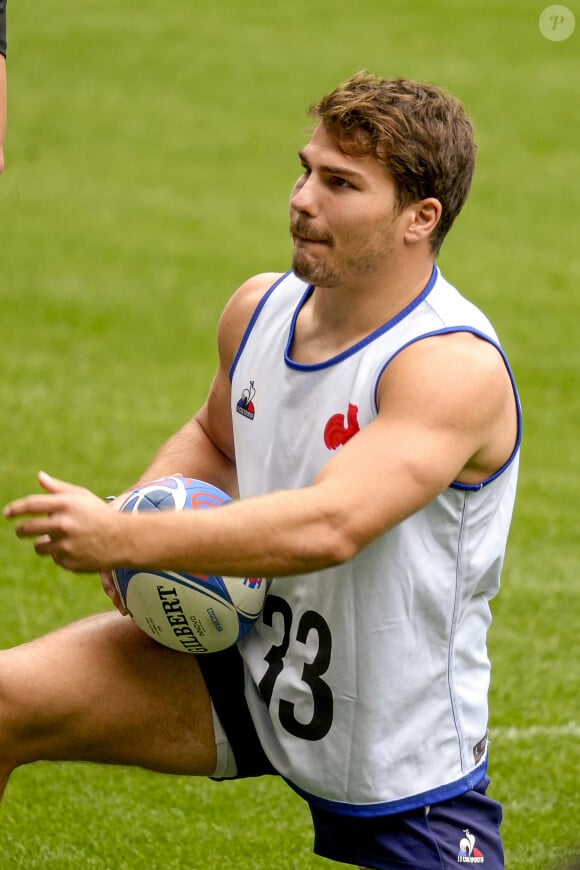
(101, 690)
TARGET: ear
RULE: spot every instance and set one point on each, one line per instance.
(423, 217)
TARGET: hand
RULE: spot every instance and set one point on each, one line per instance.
(111, 590)
(70, 524)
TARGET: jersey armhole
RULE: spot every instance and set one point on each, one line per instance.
(470, 487)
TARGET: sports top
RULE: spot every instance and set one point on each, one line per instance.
(368, 682)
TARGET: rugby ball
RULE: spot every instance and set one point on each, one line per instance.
(189, 612)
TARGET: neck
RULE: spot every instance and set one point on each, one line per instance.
(335, 318)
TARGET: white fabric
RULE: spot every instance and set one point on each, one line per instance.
(375, 673)
(226, 767)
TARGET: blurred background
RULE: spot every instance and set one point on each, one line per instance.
(150, 154)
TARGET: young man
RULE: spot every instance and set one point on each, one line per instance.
(3, 94)
(377, 477)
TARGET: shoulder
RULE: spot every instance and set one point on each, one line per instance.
(239, 310)
(457, 387)
(460, 368)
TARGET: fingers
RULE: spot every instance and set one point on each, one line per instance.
(43, 504)
(112, 591)
(54, 485)
(31, 504)
(39, 526)
(44, 545)
(45, 516)
(54, 520)
(69, 523)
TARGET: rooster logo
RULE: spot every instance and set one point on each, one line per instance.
(245, 405)
(468, 852)
(338, 430)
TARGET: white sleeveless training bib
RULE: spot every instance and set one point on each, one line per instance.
(368, 682)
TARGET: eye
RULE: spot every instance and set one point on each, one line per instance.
(338, 181)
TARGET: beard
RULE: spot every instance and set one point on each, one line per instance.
(314, 272)
(338, 265)
(306, 266)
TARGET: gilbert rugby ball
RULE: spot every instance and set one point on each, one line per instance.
(189, 612)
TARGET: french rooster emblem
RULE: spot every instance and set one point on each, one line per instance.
(245, 405)
(468, 852)
(339, 430)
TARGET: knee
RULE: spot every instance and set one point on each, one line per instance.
(12, 717)
(27, 722)
(22, 714)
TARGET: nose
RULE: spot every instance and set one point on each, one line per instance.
(303, 198)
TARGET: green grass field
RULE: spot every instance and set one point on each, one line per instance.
(150, 155)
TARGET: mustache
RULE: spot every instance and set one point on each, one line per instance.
(303, 229)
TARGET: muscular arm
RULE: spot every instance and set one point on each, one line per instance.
(447, 412)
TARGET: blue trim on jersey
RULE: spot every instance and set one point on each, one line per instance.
(252, 322)
(470, 487)
(391, 808)
(302, 367)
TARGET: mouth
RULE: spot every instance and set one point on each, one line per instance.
(303, 236)
(304, 242)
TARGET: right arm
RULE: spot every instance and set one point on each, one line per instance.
(204, 447)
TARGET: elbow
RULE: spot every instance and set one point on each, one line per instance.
(335, 544)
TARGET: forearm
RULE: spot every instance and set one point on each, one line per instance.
(278, 534)
(281, 533)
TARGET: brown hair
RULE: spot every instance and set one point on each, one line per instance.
(420, 132)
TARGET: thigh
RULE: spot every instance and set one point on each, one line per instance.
(101, 690)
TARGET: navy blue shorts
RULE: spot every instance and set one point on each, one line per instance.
(463, 831)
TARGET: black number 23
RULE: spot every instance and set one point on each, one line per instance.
(319, 725)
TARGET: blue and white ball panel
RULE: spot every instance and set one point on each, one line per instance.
(174, 493)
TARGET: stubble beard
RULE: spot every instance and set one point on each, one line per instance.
(316, 273)
(343, 270)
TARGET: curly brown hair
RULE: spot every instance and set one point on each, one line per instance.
(420, 132)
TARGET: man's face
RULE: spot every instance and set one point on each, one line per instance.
(343, 215)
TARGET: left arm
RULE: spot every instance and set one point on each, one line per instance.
(447, 412)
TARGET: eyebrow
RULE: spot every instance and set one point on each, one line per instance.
(334, 170)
